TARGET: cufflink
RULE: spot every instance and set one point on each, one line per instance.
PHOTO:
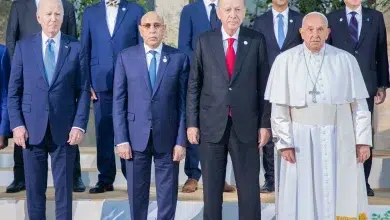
(245, 42)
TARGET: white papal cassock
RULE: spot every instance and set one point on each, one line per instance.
(326, 182)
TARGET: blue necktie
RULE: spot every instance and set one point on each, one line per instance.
(49, 60)
(153, 68)
(280, 31)
(213, 16)
(353, 28)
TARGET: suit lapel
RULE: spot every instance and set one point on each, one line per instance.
(366, 26)
(101, 19)
(37, 48)
(243, 46)
(203, 18)
(144, 67)
(290, 29)
(216, 43)
(342, 26)
(270, 22)
(122, 10)
(62, 54)
(164, 60)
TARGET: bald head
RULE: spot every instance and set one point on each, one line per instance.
(232, 14)
(50, 15)
(152, 29)
(314, 31)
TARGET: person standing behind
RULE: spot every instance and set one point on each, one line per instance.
(285, 35)
(229, 63)
(48, 105)
(4, 77)
(108, 27)
(195, 19)
(362, 32)
(149, 117)
(22, 22)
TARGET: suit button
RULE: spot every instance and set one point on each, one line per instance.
(149, 119)
(47, 109)
(230, 89)
(152, 101)
(356, 52)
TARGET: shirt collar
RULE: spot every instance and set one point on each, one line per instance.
(36, 3)
(358, 10)
(284, 13)
(208, 2)
(158, 49)
(56, 38)
(310, 53)
(225, 36)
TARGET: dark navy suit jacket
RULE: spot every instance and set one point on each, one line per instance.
(4, 77)
(35, 104)
(137, 108)
(100, 47)
(193, 21)
(265, 25)
(371, 50)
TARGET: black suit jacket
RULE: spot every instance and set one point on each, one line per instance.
(265, 25)
(211, 93)
(23, 22)
(370, 52)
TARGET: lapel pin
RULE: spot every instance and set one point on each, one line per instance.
(291, 21)
(341, 19)
(246, 42)
(123, 9)
(165, 59)
(368, 19)
(66, 46)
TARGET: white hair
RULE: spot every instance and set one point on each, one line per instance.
(315, 13)
(42, 2)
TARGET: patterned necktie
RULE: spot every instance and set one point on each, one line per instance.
(280, 30)
(113, 3)
(213, 16)
(153, 68)
(353, 27)
(49, 60)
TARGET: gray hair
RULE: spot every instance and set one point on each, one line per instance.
(315, 13)
(41, 2)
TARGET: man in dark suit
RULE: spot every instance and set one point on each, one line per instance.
(226, 111)
(196, 18)
(149, 117)
(108, 27)
(22, 22)
(362, 32)
(285, 35)
(4, 77)
(48, 105)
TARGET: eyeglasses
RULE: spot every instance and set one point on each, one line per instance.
(149, 25)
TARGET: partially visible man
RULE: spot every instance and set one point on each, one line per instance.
(108, 27)
(48, 104)
(362, 32)
(226, 111)
(22, 22)
(149, 117)
(285, 35)
(195, 19)
(4, 77)
(322, 128)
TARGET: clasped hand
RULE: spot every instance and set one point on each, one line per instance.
(125, 152)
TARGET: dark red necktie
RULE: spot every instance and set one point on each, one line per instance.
(230, 60)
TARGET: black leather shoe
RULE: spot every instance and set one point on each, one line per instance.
(269, 187)
(16, 186)
(78, 185)
(370, 192)
(101, 188)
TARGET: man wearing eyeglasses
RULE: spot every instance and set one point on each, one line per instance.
(149, 117)
(108, 27)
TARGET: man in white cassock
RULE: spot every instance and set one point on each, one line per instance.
(322, 128)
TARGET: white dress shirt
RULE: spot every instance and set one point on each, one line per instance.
(56, 44)
(276, 21)
(111, 14)
(208, 6)
(149, 56)
(225, 38)
(358, 16)
(36, 3)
